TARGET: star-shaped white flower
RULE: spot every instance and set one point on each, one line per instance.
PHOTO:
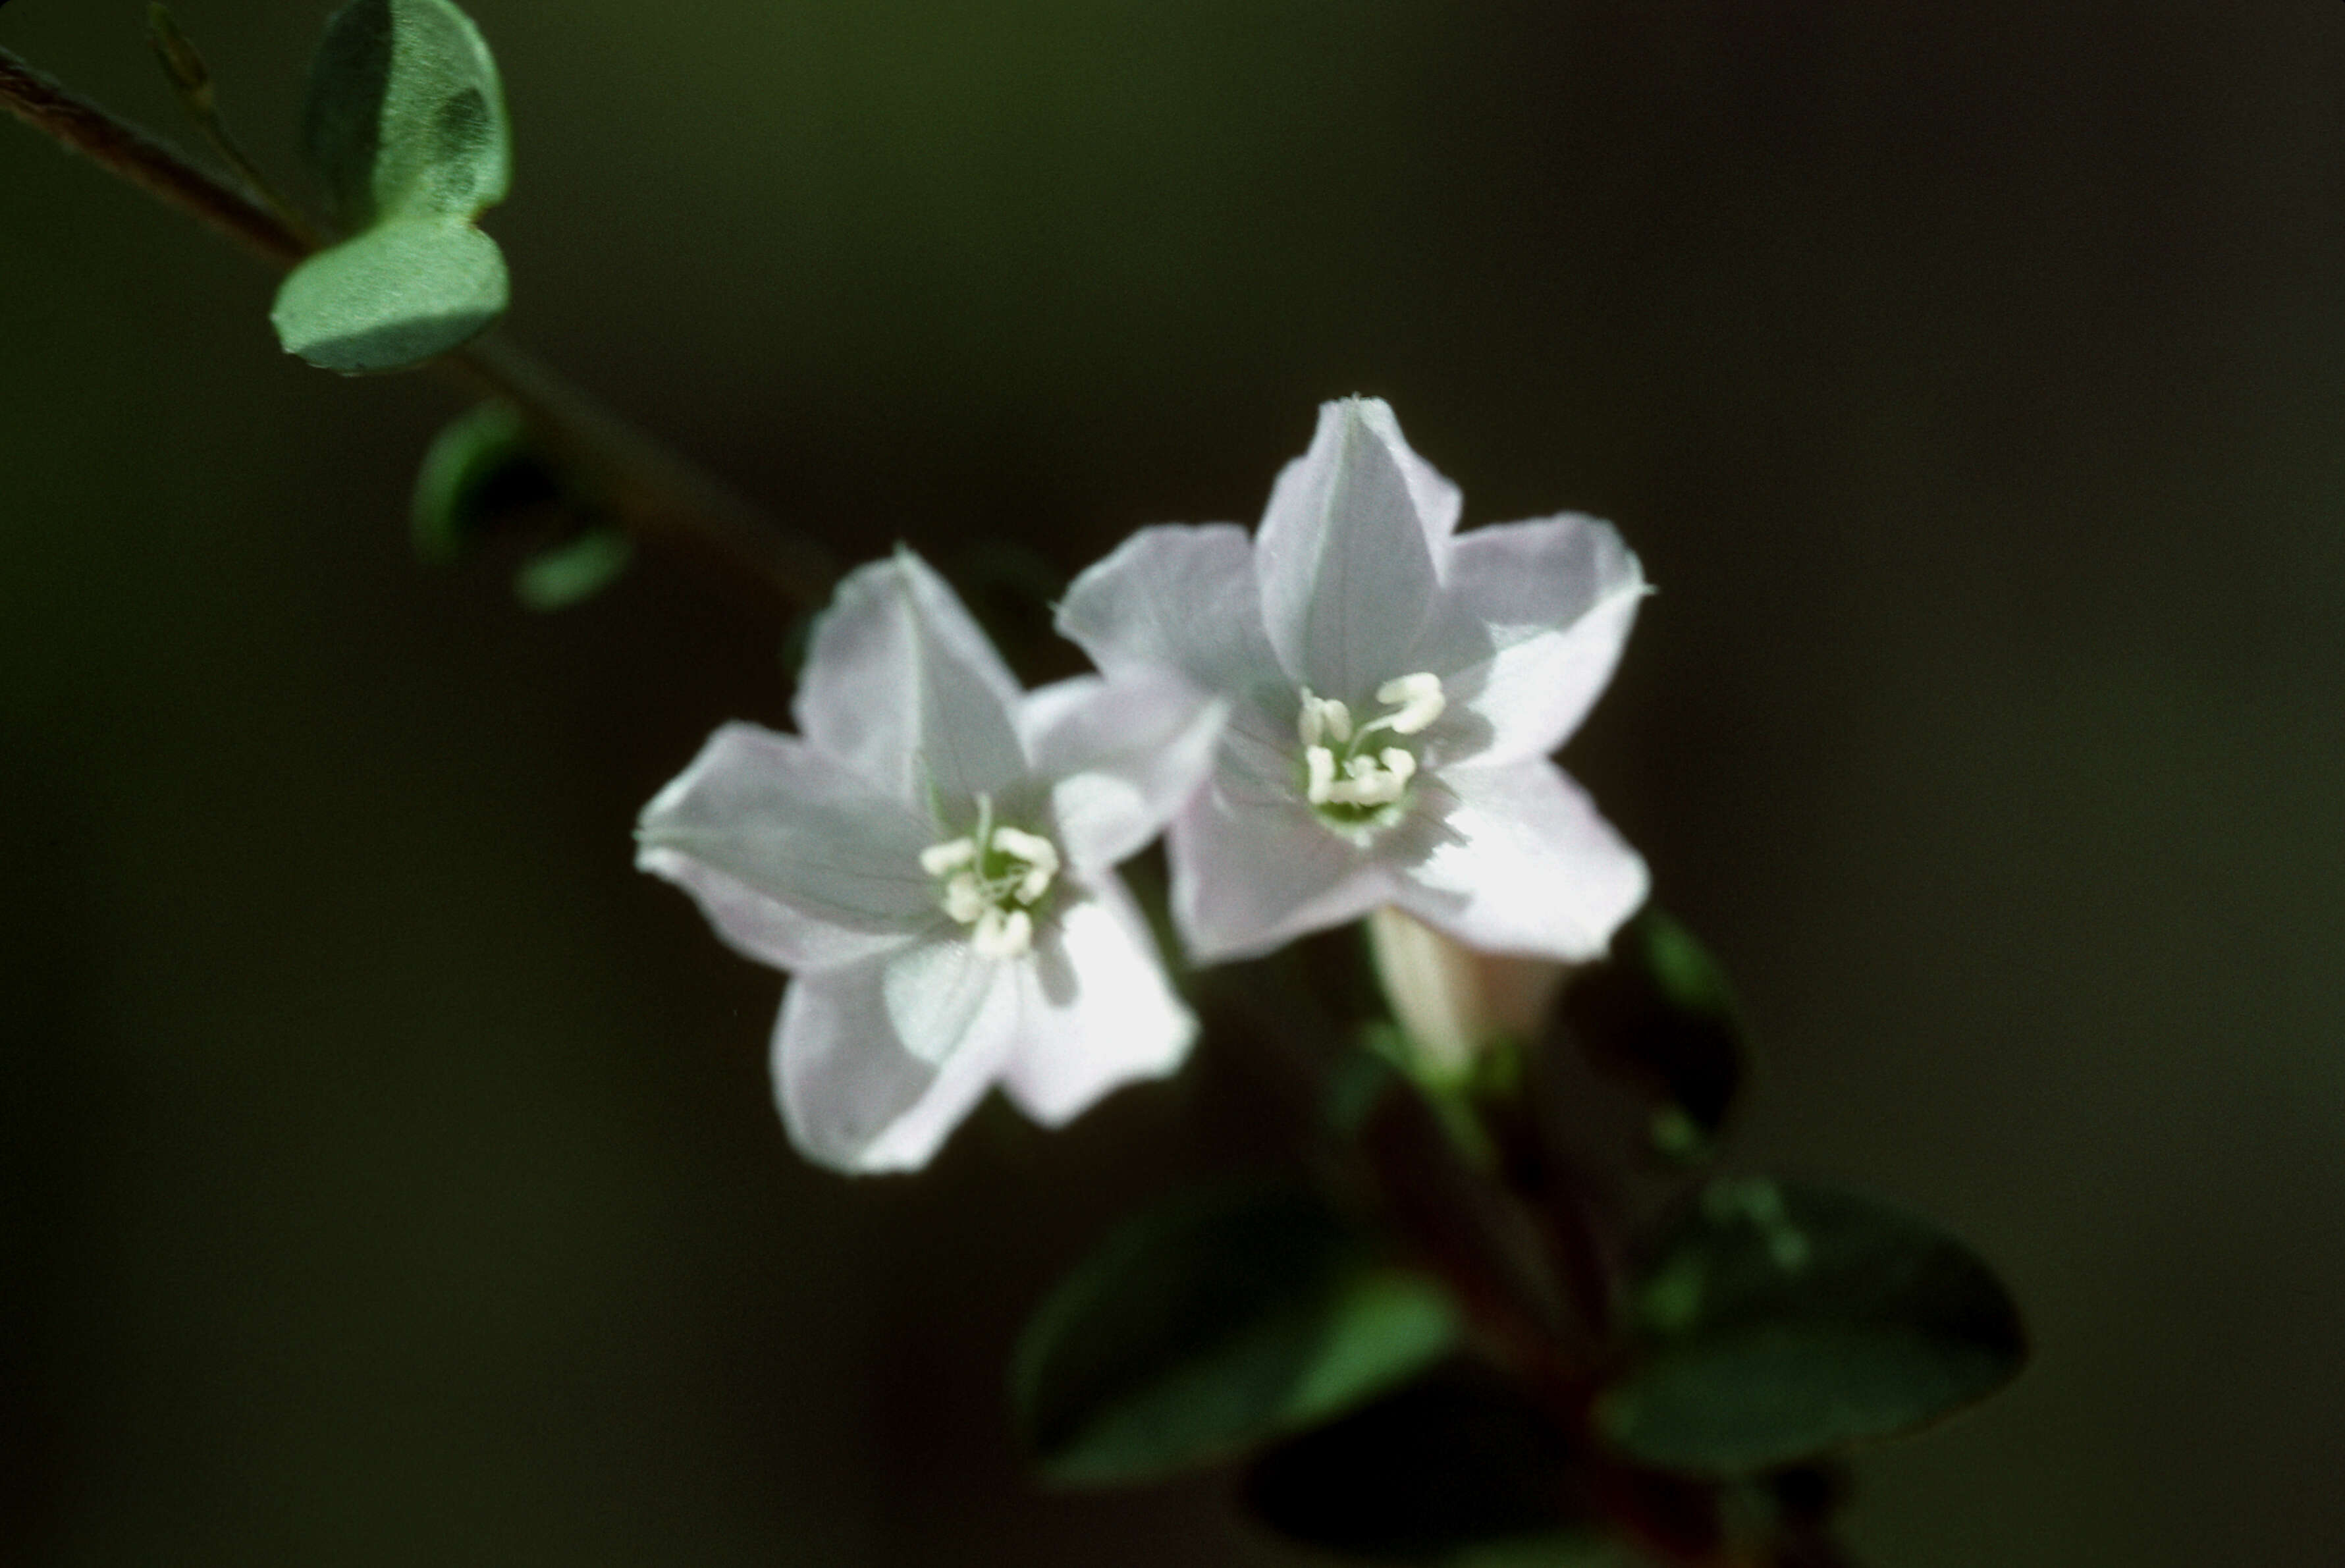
(1395, 688)
(930, 856)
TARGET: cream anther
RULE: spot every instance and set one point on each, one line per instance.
(1419, 700)
(1322, 718)
(1319, 769)
(1000, 935)
(950, 855)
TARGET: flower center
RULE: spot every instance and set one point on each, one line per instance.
(1349, 778)
(992, 878)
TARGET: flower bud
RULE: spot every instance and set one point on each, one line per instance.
(1454, 1003)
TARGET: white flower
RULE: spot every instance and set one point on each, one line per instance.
(930, 856)
(1395, 687)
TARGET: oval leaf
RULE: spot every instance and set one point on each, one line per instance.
(1202, 1329)
(396, 296)
(1780, 1320)
(406, 121)
(1458, 1470)
(406, 114)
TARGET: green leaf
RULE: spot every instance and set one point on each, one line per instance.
(571, 573)
(1659, 1010)
(1211, 1325)
(406, 122)
(1459, 1471)
(1780, 1320)
(406, 114)
(481, 472)
(398, 295)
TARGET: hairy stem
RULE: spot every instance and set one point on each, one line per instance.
(655, 494)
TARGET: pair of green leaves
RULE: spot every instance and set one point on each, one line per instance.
(1776, 1322)
(484, 477)
(406, 123)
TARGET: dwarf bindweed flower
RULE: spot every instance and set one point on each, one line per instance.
(930, 856)
(1395, 688)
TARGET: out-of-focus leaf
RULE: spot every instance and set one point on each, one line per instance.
(1782, 1320)
(575, 571)
(1202, 1329)
(1659, 1010)
(1456, 1470)
(479, 472)
(406, 122)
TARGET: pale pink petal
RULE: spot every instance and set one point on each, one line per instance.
(781, 818)
(1122, 756)
(1531, 625)
(1175, 597)
(851, 1096)
(1095, 1010)
(1253, 870)
(941, 994)
(1345, 567)
(1515, 859)
(903, 687)
(765, 929)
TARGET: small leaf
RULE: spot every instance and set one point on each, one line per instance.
(406, 121)
(1459, 1471)
(406, 114)
(1782, 1320)
(1211, 1325)
(573, 572)
(399, 294)
(1658, 1010)
(480, 472)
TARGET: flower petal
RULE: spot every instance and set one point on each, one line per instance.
(1533, 618)
(1175, 596)
(1437, 499)
(942, 995)
(1252, 870)
(1521, 863)
(903, 687)
(1345, 565)
(1123, 756)
(762, 928)
(1095, 1010)
(851, 1096)
(785, 822)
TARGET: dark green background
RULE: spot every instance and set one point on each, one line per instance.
(389, 1170)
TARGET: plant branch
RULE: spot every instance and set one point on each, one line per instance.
(655, 494)
(123, 149)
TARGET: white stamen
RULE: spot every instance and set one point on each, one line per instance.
(1003, 934)
(991, 872)
(1031, 848)
(938, 859)
(1419, 700)
(965, 898)
(1322, 718)
(1320, 765)
(1402, 764)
